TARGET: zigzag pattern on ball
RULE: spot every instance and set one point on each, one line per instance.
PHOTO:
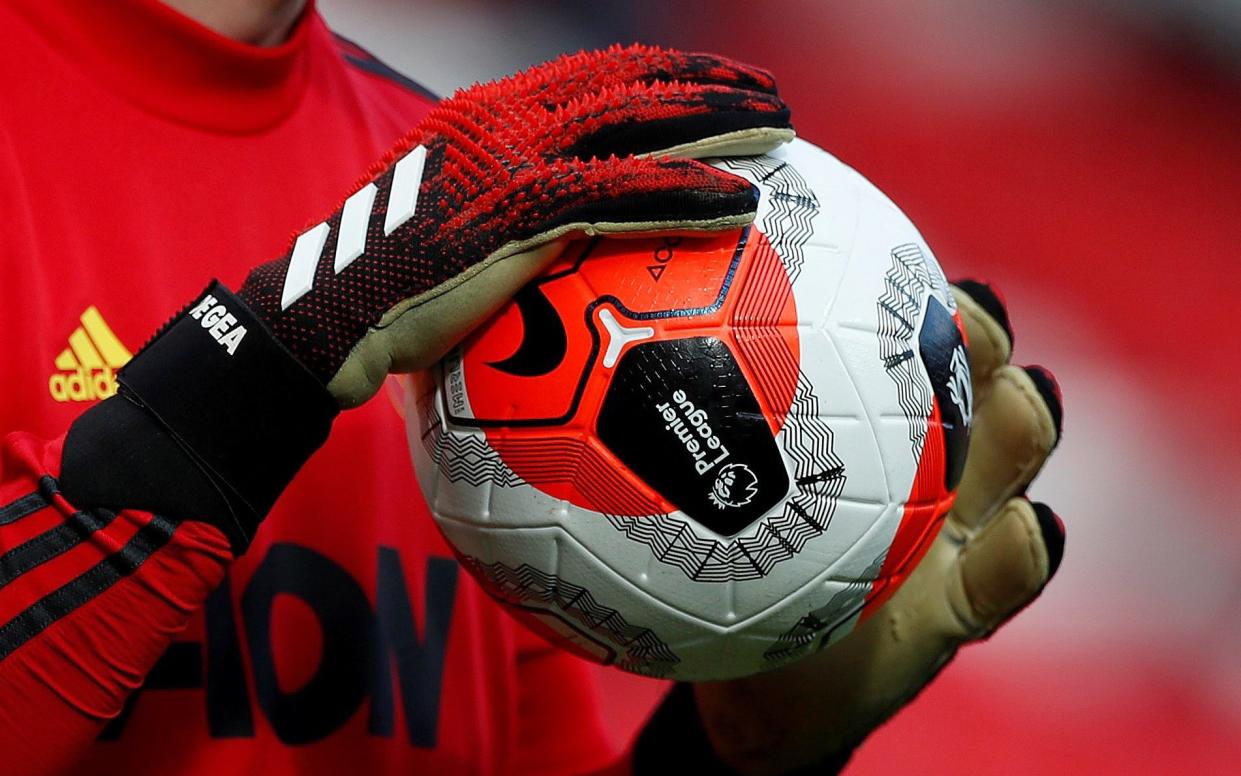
(639, 649)
(789, 223)
(808, 634)
(939, 282)
(900, 304)
(814, 631)
(463, 457)
(818, 473)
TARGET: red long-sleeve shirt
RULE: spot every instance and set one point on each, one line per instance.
(140, 155)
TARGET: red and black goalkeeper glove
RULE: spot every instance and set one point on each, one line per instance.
(493, 175)
(463, 212)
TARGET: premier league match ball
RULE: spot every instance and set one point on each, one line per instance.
(702, 458)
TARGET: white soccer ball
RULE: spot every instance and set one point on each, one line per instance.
(705, 458)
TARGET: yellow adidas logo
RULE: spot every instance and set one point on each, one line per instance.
(86, 370)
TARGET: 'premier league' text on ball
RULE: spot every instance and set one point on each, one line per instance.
(691, 421)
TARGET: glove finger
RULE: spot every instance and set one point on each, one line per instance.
(1049, 389)
(653, 63)
(605, 196)
(670, 118)
(565, 78)
(1013, 433)
(1006, 566)
(986, 325)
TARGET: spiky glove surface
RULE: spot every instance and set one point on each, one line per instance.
(587, 143)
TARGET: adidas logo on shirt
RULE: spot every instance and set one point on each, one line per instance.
(86, 370)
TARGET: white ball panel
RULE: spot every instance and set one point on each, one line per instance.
(519, 506)
(841, 408)
(834, 186)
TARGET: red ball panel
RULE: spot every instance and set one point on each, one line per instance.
(537, 373)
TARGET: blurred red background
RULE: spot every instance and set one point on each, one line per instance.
(1085, 158)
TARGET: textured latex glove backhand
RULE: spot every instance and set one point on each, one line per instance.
(993, 556)
(469, 206)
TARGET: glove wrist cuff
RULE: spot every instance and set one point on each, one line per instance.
(234, 399)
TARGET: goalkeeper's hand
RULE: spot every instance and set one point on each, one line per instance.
(463, 212)
(468, 207)
(994, 555)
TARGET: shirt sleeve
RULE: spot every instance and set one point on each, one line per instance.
(89, 599)
(112, 536)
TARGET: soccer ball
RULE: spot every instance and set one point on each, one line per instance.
(702, 458)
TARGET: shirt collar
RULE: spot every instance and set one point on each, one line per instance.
(169, 64)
